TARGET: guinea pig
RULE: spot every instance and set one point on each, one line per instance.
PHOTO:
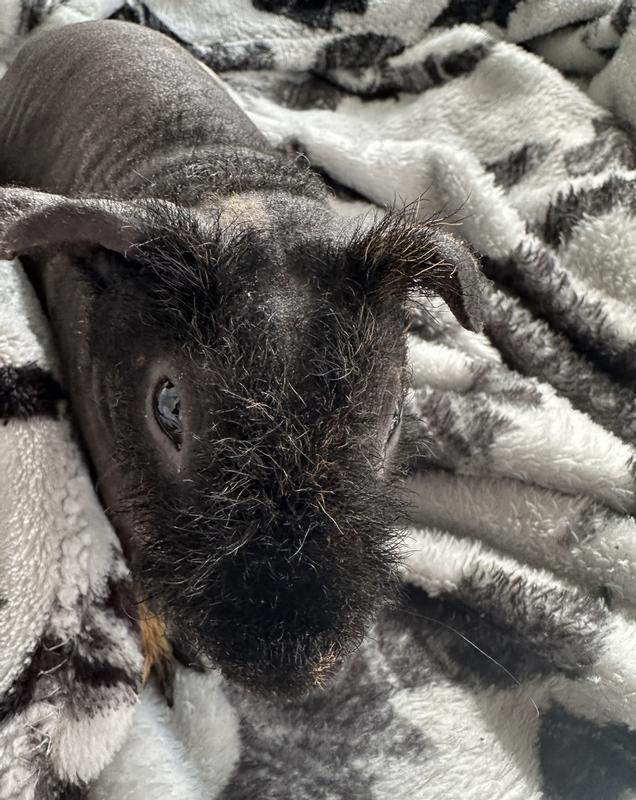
(233, 350)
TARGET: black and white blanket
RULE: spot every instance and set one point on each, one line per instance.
(509, 668)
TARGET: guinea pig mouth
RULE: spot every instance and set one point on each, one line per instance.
(286, 669)
(282, 643)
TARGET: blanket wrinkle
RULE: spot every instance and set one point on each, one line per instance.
(505, 668)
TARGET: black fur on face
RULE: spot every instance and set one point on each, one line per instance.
(270, 538)
(275, 545)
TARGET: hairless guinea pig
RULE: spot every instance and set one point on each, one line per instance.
(233, 350)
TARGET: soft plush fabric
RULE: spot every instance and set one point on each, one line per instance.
(508, 668)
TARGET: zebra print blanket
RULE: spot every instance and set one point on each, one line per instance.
(509, 668)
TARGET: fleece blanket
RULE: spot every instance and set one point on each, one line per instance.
(508, 667)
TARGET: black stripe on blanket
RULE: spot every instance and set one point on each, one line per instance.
(548, 290)
(357, 50)
(568, 208)
(238, 55)
(313, 13)
(99, 673)
(52, 655)
(454, 433)
(516, 165)
(456, 63)
(137, 11)
(300, 93)
(49, 656)
(621, 16)
(477, 11)
(418, 76)
(28, 391)
(529, 346)
(611, 147)
(526, 628)
(33, 13)
(52, 788)
(435, 70)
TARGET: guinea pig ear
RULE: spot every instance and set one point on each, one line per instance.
(30, 219)
(409, 256)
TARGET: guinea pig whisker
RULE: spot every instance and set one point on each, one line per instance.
(321, 504)
(504, 669)
(301, 544)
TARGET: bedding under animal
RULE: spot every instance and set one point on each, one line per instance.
(507, 668)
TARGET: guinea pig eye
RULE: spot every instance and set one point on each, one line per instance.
(395, 421)
(167, 409)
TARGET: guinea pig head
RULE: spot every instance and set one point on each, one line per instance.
(239, 388)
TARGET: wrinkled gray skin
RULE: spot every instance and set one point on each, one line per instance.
(111, 110)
